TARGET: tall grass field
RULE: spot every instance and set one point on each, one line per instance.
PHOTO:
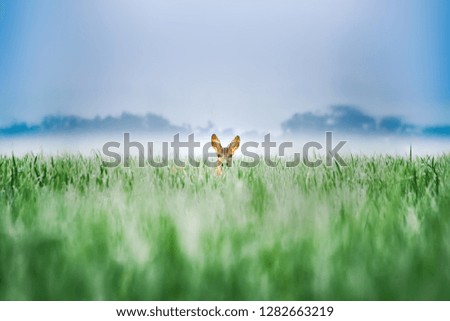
(72, 229)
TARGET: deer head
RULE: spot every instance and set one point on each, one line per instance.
(224, 154)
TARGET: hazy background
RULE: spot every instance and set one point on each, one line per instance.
(374, 67)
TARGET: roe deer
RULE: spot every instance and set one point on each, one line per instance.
(224, 154)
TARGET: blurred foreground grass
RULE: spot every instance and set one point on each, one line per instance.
(71, 229)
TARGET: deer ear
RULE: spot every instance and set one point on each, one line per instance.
(234, 145)
(215, 142)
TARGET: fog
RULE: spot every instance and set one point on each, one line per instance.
(90, 145)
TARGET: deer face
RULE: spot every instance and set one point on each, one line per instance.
(224, 154)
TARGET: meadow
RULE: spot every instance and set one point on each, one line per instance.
(72, 229)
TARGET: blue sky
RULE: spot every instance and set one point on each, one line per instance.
(242, 64)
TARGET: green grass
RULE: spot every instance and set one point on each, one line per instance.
(71, 229)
